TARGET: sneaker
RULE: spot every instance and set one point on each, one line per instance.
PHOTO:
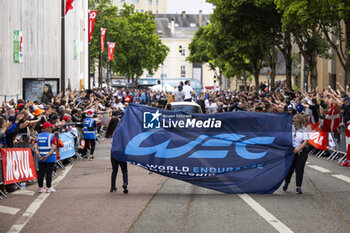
(345, 164)
(298, 190)
(91, 158)
(50, 190)
(125, 189)
(113, 190)
(285, 186)
(40, 190)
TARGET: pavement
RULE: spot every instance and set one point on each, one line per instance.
(155, 203)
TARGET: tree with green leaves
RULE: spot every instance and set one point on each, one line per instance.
(334, 21)
(138, 47)
(298, 15)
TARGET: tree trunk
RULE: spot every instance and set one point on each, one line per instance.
(244, 81)
(288, 58)
(347, 53)
(313, 71)
(273, 68)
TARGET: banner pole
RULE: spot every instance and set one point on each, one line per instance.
(63, 83)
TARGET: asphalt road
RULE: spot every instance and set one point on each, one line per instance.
(83, 203)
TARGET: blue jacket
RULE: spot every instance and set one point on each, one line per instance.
(89, 129)
(45, 141)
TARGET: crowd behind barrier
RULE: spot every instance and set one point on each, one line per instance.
(21, 120)
(18, 166)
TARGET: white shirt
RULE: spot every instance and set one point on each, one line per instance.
(187, 90)
(211, 108)
(298, 136)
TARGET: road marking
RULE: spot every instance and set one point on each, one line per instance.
(28, 214)
(277, 224)
(307, 163)
(24, 192)
(8, 210)
(341, 177)
(320, 169)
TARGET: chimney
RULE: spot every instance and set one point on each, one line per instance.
(184, 14)
(172, 27)
(200, 19)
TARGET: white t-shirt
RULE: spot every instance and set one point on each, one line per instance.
(211, 108)
(299, 136)
(187, 90)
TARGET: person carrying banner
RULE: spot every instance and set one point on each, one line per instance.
(300, 140)
(89, 134)
(123, 165)
(45, 149)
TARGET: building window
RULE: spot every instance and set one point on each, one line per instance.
(157, 2)
(150, 2)
(122, 1)
(183, 71)
(135, 1)
(183, 52)
(156, 12)
(142, 11)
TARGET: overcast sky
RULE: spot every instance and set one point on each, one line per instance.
(190, 6)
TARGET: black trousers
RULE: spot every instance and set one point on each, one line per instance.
(188, 100)
(298, 165)
(123, 166)
(45, 170)
(87, 143)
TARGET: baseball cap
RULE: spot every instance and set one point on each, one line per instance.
(47, 125)
(65, 118)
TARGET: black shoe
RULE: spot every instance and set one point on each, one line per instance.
(113, 190)
(125, 189)
(285, 186)
(298, 190)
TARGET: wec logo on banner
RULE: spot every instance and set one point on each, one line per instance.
(18, 165)
(242, 152)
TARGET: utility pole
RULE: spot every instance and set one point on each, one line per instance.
(63, 81)
(89, 78)
(100, 64)
(108, 79)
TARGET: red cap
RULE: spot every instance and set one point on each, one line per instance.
(47, 125)
(65, 118)
(89, 113)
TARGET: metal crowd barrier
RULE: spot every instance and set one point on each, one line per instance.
(2, 194)
(338, 152)
(59, 163)
(9, 97)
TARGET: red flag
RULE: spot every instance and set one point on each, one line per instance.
(332, 120)
(111, 47)
(92, 16)
(103, 34)
(127, 99)
(69, 5)
(318, 137)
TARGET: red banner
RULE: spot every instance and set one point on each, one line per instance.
(318, 137)
(103, 34)
(111, 47)
(69, 5)
(92, 16)
(17, 165)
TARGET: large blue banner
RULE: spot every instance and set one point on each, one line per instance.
(237, 152)
(69, 149)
